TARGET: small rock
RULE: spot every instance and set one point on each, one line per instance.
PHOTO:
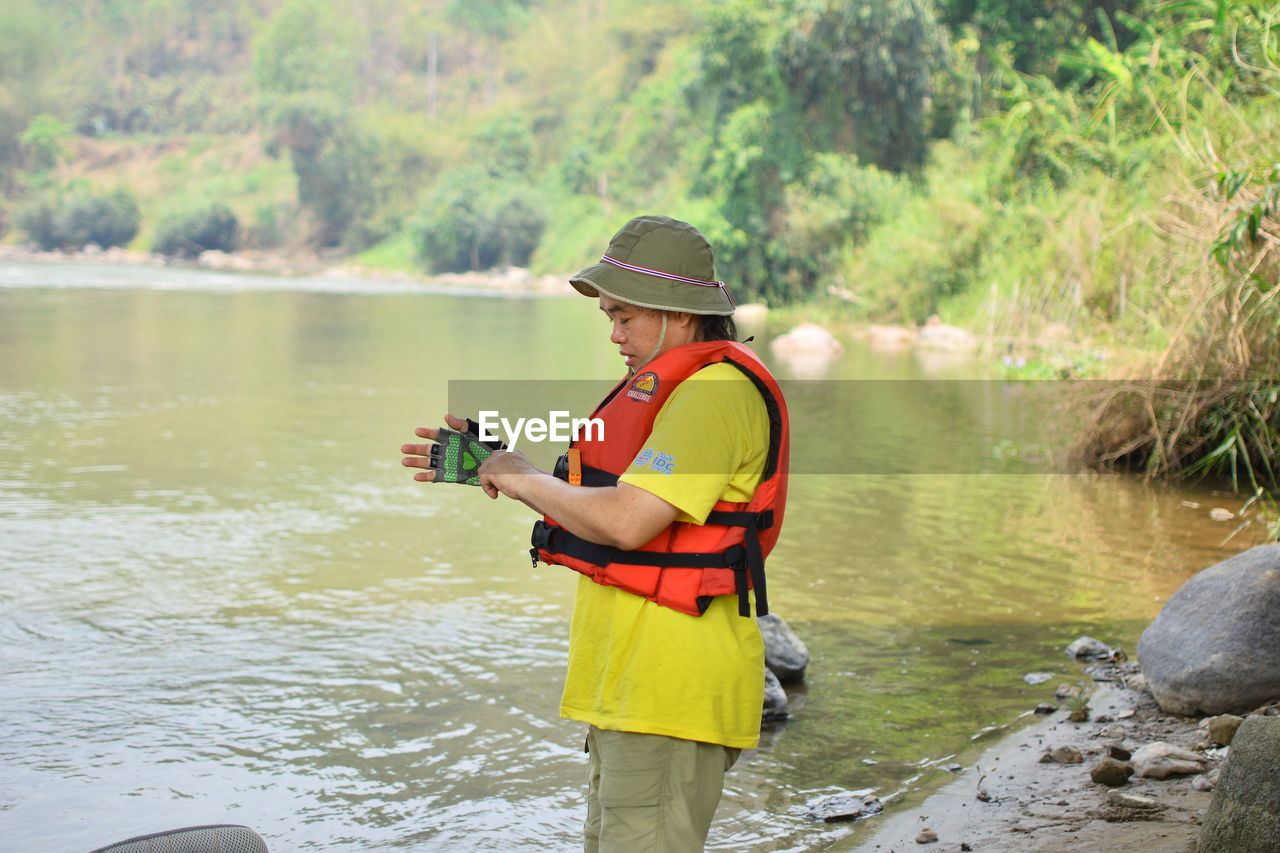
(807, 338)
(1131, 801)
(1222, 728)
(1037, 677)
(776, 705)
(1046, 708)
(1062, 755)
(751, 314)
(1220, 514)
(784, 653)
(1087, 648)
(870, 762)
(953, 767)
(1160, 760)
(888, 337)
(964, 847)
(982, 795)
(926, 836)
(853, 805)
(1118, 752)
(1111, 772)
(1137, 682)
(1115, 730)
(1067, 691)
(1207, 781)
(935, 334)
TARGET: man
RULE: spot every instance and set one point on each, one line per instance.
(668, 518)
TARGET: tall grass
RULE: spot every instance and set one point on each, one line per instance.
(1208, 402)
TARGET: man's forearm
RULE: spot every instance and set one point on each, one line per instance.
(592, 513)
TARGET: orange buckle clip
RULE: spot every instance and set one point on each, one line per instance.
(575, 466)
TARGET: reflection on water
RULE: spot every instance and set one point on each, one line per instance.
(224, 601)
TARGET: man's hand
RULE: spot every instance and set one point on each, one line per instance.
(504, 472)
(453, 455)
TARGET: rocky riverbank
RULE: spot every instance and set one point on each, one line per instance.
(1034, 791)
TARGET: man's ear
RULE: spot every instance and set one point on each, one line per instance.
(684, 320)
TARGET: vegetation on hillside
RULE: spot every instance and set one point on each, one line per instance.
(1103, 167)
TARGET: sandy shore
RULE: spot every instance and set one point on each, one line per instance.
(1008, 800)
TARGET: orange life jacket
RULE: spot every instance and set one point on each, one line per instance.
(686, 565)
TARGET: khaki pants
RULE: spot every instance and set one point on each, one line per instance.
(651, 793)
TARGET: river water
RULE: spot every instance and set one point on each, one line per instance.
(223, 599)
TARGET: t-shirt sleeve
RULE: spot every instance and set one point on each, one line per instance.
(708, 443)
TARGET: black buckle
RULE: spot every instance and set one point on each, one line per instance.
(561, 469)
(735, 557)
(542, 537)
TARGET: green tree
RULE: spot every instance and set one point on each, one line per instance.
(308, 45)
(334, 159)
(861, 72)
(29, 53)
(43, 139)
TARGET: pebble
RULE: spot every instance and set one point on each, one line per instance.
(1046, 708)
(1067, 691)
(848, 806)
(1131, 801)
(1204, 782)
(1111, 772)
(1087, 648)
(1222, 728)
(1062, 755)
(1160, 760)
(926, 836)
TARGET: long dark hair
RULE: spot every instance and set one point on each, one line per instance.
(716, 327)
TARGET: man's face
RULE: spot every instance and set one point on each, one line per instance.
(636, 331)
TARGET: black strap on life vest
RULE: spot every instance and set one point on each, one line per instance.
(746, 560)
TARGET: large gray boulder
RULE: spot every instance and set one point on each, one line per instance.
(1244, 816)
(1215, 646)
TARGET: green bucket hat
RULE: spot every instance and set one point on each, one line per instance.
(658, 262)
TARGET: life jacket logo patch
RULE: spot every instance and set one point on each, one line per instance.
(643, 387)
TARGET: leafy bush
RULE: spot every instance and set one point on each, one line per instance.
(190, 233)
(36, 220)
(108, 220)
(84, 217)
(472, 221)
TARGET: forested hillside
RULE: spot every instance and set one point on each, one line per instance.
(1104, 170)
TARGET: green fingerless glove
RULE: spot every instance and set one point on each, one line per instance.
(456, 456)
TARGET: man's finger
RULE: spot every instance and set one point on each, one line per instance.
(427, 432)
(417, 462)
(417, 449)
(426, 476)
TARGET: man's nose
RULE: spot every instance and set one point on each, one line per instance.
(617, 337)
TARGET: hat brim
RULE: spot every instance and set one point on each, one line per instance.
(649, 291)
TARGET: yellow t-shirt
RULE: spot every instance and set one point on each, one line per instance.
(638, 667)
